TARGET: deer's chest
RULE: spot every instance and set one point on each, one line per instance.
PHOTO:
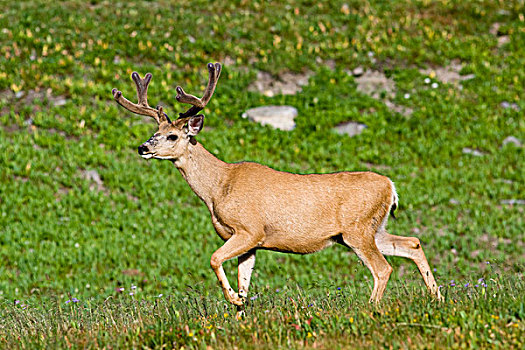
(224, 231)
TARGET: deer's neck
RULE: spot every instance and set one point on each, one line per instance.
(203, 172)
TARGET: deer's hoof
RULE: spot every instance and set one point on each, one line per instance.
(235, 299)
(240, 315)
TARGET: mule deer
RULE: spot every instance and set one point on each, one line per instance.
(254, 207)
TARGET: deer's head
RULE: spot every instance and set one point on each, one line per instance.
(173, 137)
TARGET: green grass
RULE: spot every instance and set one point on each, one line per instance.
(64, 237)
(294, 317)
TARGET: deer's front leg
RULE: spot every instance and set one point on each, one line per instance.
(237, 245)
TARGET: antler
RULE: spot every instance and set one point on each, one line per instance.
(200, 103)
(142, 106)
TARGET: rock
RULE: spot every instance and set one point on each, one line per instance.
(406, 111)
(513, 201)
(286, 84)
(373, 83)
(376, 85)
(494, 28)
(473, 152)
(513, 140)
(504, 39)
(279, 117)
(228, 61)
(449, 74)
(350, 128)
(358, 71)
(330, 64)
(59, 101)
(501, 37)
(92, 175)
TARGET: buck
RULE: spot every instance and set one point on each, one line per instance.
(254, 207)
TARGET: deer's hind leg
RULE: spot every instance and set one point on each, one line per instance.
(408, 247)
(246, 262)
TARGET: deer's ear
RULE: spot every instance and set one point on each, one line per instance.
(195, 124)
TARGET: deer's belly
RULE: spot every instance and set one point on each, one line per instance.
(299, 243)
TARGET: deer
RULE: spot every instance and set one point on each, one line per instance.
(254, 207)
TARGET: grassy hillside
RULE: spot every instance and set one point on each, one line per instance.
(85, 222)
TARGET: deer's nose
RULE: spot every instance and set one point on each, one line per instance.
(143, 149)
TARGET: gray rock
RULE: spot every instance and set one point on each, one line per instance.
(513, 201)
(350, 128)
(473, 152)
(494, 28)
(406, 111)
(513, 140)
(373, 83)
(502, 40)
(59, 101)
(92, 175)
(286, 83)
(449, 74)
(279, 117)
(358, 71)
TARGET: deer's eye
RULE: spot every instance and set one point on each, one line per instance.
(172, 137)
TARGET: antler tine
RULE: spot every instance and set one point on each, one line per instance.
(142, 106)
(199, 103)
(142, 87)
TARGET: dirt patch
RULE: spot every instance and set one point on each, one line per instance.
(377, 85)
(62, 192)
(21, 178)
(449, 74)
(350, 128)
(501, 36)
(31, 128)
(404, 110)
(30, 97)
(11, 128)
(96, 183)
(132, 272)
(372, 166)
(285, 84)
(492, 242)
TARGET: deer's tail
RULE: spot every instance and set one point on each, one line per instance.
(395, 201)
